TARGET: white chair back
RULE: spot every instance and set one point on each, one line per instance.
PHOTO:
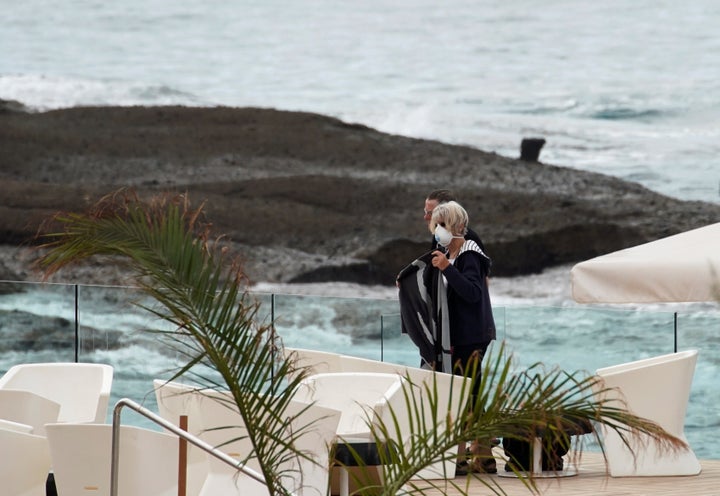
(81, 459)
(450, 390)
(15, 426)
(303, 477)
(315, 362)
(657, 389)
(173, 400)
(81, 389)
(25, 463)
(355, 394)
(28, 408)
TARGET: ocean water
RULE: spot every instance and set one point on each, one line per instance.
(630, 89)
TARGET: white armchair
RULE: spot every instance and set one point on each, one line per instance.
(81, 460)
(449, 392)
(81, 389)
(360, 396)
(173, 400)
(316, 362)
(25, 461)
(213, 417)
(28, 408)
(657, 389)
(224, 428)
(355, 394)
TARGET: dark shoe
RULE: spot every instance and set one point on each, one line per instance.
(485, 466)
(481, 459)
(462, 468)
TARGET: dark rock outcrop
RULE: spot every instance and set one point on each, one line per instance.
(308, 197)
(12, 106)
(530, 149)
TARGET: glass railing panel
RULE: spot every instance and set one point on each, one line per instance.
(351, 326)
(368, 328)
(699, 328)
(37, 323)
(588, 338)
(585, 338)
(114, 329)
(396, 346)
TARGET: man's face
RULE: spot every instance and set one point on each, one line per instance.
(429, 206)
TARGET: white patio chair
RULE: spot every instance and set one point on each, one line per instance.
(316, 362)
(362, 398)
(175, 399)
(304, 477)
(657, 389)
(355, 394)
(28, 408)
(81, 389)
(81, 458)
(422, 381)
(449, 392)
(15, 426)
(24, 462)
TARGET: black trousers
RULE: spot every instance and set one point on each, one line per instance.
(463, 359)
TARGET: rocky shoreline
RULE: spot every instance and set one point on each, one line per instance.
(309, 198)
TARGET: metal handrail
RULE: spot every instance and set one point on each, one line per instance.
(152, 416)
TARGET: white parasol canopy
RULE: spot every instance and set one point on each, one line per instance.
(680, 268)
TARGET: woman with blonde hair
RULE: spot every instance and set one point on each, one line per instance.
(464, 267)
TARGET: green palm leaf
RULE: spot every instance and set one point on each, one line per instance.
(200, 293)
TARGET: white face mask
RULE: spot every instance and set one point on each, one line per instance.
(443, 236)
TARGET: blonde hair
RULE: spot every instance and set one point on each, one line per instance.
(453, 215)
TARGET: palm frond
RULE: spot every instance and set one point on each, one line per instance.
(200, 292)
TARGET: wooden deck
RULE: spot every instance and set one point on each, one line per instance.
(592, 479)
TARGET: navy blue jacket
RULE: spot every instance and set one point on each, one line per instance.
(468, 299)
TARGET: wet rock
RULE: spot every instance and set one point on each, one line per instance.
(307, 197)
(12, 106)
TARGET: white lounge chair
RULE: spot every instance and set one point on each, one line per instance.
(304, 477)
(25, 462)
(362, 397)
(28, 408)
(15, 426)
(313, 361)
(208, 410)
(81, 459)
(81, 389)
(355, 394)
(449, 392)
(657, 389)
(173, 400)
(450, 389)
